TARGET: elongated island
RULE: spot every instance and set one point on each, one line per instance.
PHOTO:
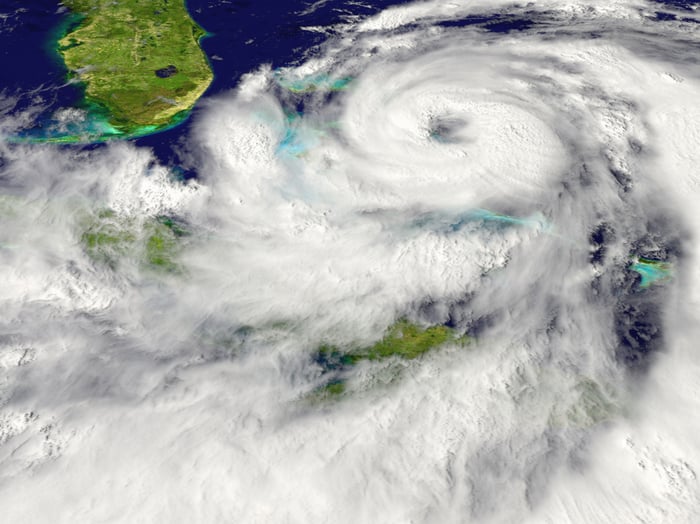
(140, 61)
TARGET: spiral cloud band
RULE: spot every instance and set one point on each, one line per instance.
(525, 175)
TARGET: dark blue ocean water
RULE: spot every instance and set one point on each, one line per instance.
(243, 35)
(30, 68)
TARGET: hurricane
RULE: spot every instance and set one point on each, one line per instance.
(442, 266)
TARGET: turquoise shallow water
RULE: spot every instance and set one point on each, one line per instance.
(651, 271)
(322, 81)
(91, 127)
(484, 217)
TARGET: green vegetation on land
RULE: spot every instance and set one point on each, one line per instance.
(161, 247)
(331, 390)
(139, 59)
(109, 238)
(403, 340)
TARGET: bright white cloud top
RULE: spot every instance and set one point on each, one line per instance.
(160, 339)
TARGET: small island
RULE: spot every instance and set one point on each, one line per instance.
(651, 271)
(140, 61)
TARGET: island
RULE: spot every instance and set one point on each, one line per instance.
(650, 270)
(403, 340)
(140, 61)
(154, 245)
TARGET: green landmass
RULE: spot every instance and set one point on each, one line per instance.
(108, 238)
(140, 60)
(329, 391)
(161, 247)
(403, 340)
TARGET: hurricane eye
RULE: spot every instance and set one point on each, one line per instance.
(447, 129)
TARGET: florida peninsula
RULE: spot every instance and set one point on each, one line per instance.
(140, 61)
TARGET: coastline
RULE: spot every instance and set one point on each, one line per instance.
(103, 122)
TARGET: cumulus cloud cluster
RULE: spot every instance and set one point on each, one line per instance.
(498, 183)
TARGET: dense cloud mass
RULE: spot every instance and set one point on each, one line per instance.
(534, 189)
